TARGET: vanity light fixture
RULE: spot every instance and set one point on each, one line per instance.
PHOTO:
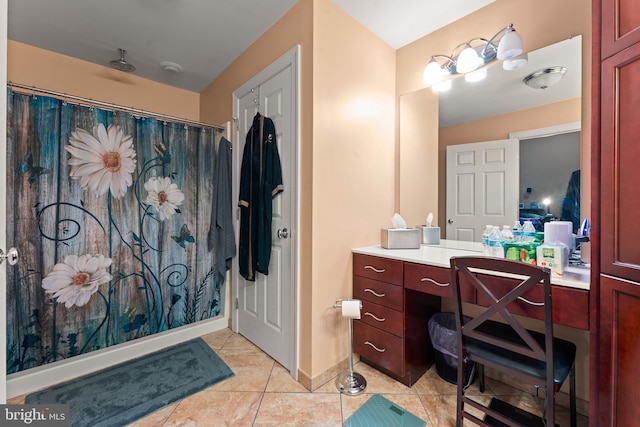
(471, 58)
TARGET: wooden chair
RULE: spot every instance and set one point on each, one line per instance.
(508, 346)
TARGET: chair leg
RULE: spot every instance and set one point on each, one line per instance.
(572, 395)
(481, 375)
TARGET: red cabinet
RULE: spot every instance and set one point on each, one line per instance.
(616, 208)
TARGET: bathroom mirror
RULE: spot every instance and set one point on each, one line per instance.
(501, 106)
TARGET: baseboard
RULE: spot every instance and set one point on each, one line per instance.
(322, 378)
(47, 375)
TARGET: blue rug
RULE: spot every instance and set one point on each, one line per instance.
(126, 392)
(381, 412)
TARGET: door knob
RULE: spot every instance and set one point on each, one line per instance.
(449, 221)
(283, 233)
(11, 256)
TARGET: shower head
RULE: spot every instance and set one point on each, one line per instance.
(121, 64)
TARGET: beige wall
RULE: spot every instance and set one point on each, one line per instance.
(44, 69)
(353, 163)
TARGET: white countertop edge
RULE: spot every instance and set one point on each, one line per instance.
(439, 256)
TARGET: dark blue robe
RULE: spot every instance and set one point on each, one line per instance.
(260, 181)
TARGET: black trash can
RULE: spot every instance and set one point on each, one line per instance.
(442, 331)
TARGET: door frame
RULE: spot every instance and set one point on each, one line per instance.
(547, 131)
(3, 199)
(291, 58)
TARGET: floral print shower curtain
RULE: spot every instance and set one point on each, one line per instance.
(110, 213)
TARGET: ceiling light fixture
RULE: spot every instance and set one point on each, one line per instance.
(545, 77)
(121, 64)
(171, 67)
(471, 58)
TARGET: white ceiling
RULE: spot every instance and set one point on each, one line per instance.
(202, 36)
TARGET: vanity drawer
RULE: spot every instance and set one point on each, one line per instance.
(383, 269)
(570, 306)
(380, 293)
(380, 347)
(434, 280)
(383, 318)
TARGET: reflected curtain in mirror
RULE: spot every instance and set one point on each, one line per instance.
(110, 212)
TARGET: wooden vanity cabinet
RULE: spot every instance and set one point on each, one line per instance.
(392, 334)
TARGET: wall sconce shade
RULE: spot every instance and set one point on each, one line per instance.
(468, 60)
(510, 45)
(433, 72)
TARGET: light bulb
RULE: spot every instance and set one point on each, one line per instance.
(432, 73)
(468, 60)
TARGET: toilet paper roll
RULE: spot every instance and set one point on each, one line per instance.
(351, 308)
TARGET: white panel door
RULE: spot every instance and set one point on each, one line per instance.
(482, 187)
(266, 308)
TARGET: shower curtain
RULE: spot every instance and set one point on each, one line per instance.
(110, 212)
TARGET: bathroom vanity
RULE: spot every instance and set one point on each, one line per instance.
(401, 288)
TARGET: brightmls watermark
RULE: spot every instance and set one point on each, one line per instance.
(34, 415)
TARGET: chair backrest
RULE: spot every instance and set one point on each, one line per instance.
(527, 288)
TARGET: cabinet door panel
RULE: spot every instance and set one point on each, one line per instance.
(619, 354)
(380, 347)
(620, 157)
(378, 292)
(434, 281)
(384, 318)
(620, 25)
(377, 268)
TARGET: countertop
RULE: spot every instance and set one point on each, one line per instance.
(439, 256)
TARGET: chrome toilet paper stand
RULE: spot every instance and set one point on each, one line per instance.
(349, 382)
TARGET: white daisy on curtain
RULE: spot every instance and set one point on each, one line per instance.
(77, 278)
(103, 161)
(164, 195)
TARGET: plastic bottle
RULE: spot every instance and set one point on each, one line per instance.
(507, 234)
(485, 240)
(528, 232)
(496, 242)
(516, 230)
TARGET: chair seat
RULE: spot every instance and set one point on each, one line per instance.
(563, 352)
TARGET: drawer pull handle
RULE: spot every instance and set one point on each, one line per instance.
(369, 267)
(539, 304)
(442, 285)
(374, 293)
(376, 348)
(376, 318)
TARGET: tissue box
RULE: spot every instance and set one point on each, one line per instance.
(400, 238)
(554, 256)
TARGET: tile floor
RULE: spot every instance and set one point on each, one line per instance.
(262, 393)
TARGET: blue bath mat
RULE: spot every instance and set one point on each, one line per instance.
(123, 393)
(378, 411)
